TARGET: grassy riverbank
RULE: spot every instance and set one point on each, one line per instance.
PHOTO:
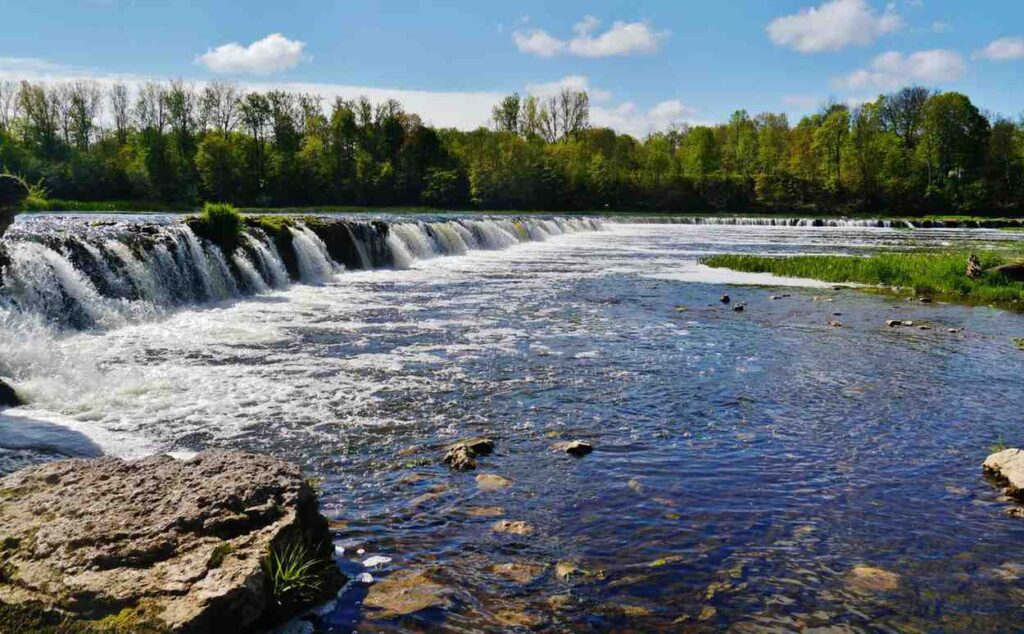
(938, 275)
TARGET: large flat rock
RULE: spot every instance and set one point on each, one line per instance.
(156, 544)
(1007, 467)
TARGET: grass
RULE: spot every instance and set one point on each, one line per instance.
(221, 224)
(1019, 341)
(938, 275)
(295, 573)
(42, 204)
(999, 445)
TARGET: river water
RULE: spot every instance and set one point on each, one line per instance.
(747, 465)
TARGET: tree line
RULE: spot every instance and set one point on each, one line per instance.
(911, 151)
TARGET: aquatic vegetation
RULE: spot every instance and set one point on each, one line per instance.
(1020, 342)
(940, 275)
(295, 573)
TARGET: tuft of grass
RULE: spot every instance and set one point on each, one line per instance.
(940, 275)
(220, 223)
(999, 445)
(1020, 342)
(295, 573)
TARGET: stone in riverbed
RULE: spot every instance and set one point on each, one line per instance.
(577, 448)
(407, 592)
(1007, 468)
(519, 572)
(512, 527)
(492, 482)
(156, 543)
(462, 455)
(725, 299)
(8, 397)
(867, 579)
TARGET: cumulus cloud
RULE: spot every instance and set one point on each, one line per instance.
(272, 54)
(623, 38)
(893, 69)
(629, 118)
(833, 26)
(1002, 50)
(574, 82)
(538, 42)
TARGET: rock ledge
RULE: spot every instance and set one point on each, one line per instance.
(153, 545)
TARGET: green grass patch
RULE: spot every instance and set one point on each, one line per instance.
(220, 223)
(38, 202)
(939, 275)
(274, 226)
(295, 573)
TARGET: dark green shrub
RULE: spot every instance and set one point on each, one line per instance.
(219, 223)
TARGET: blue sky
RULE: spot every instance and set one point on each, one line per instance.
(647, 64)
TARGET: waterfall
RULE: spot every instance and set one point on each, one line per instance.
(65, 273)
(314, 261)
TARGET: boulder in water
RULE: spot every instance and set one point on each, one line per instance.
(8, 397)
(577, 448)
(159, 544)
(725, 299)
(1007, 468)
(462, 455)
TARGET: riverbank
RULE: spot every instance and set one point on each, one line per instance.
(994, 220)
(941, 276)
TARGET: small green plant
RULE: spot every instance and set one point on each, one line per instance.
(999, 445)
(294, 572)
(1020, 342)
(218, 555)
(221, 224)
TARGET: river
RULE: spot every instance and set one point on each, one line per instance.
(747, 464)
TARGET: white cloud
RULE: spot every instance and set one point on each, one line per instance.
(833, 26)
(623, 38)
(629, 118)
(575, 82)
(1003, 49)
(538, 42)
(941, 27)
(893, 69)
(272, 54)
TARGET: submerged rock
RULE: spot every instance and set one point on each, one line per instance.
(1007, 468)
(492, 482)
(158, 543)
(8, 397)
(522, 573)
(512, 527)
(462, 455)
(867, 579)
(407, 592)
(577, 448)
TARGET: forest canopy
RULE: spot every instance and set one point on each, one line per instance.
(913, 151)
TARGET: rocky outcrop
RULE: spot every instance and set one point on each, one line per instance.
(1007, 468)
(157, 544)
(8, 397)
(12, 193)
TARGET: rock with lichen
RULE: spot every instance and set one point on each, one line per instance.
(157, 544)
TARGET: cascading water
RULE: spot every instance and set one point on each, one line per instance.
(78, 275)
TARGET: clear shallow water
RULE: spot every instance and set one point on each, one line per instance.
(760, 456)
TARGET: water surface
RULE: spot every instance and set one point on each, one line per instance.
(745, 462)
